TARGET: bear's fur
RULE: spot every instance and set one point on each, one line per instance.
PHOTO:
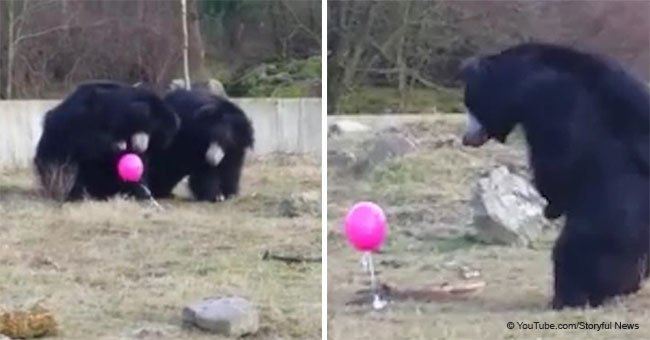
(587, 126)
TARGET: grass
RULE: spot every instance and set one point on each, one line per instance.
(119, 269)
(425, 195)
(368, 99)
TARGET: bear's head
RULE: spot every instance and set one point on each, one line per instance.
(493, 85)
(222, 126)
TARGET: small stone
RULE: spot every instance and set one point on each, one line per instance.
(446, 141)
(149, 333)
(507, 209)
(342, 127)
(231, 316)
(467, 273)
(42, 262)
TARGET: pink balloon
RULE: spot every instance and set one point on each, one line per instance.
(130, 168)
(365, 226)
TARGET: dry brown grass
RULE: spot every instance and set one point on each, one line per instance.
(425, 195)
(121, 269)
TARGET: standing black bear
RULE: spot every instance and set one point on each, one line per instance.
(587, 125)
(84, 136)
(210, 147)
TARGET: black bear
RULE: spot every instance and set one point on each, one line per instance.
(210, 147)
(84, 136)
(587, 126)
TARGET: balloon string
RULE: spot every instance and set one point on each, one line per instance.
(151, 199)
(377, 302)
(373, 279)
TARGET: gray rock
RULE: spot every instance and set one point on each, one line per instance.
(382, 148)
(390, 145)
(300, 204)
(340, 159)
(507, 209)
(212, 86)
(231, 316)
(216, 87)
(343, 127)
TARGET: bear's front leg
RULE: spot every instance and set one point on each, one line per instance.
(204, 184)
(567, 268)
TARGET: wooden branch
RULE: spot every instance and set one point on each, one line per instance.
(410, 72)
(57, 28)
(359, 44)
(300, 24)
(289, 258)
(380, 70)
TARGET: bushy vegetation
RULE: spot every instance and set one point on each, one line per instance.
(368, 99)
(284, 78)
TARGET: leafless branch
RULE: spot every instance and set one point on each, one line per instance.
(51, 30)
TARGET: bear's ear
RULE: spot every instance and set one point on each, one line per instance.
(94, 98)
(164, 114)
(470, 67)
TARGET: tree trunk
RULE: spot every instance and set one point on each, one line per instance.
(195, 40)
(3, 57)
(334, 52)
(186, 47)
(360, 45)
(401, 63)
(272, 8)
(10, 49)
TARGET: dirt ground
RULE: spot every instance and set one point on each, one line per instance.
(425, 195)
(122, 270)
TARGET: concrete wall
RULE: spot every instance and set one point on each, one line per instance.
(281, 125)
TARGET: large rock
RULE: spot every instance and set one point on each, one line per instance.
(340, 158)
(507, 209)
(211, 86)
(390, 145)
(232, 316)
(384, 147)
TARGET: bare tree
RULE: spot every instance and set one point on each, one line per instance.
(11, 45)
(186, 46)
(350, 34)
(406, 44)
(47, 46)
